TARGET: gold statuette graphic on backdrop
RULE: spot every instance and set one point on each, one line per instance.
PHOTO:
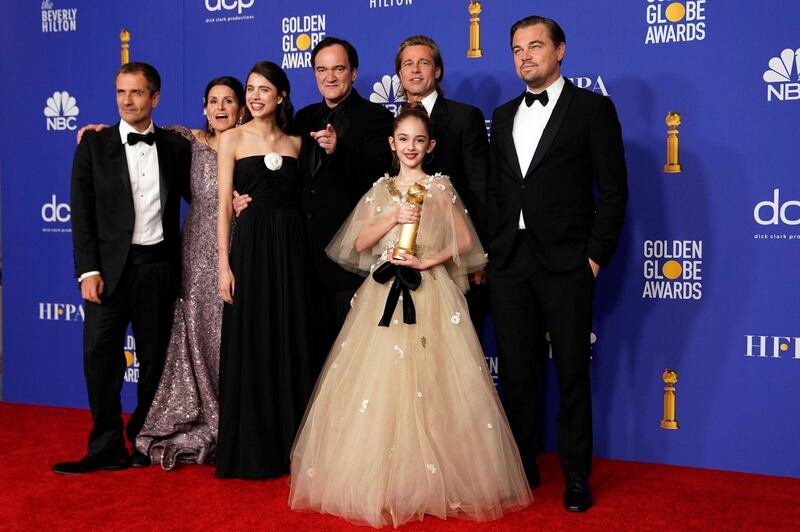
(124, 43)
(408, 232)
(474, 9)
(673, 166)
(669, 421)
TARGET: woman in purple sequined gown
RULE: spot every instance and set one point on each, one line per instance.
(182, 423)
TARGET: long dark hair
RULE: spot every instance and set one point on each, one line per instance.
(284, 114)
(228, 81)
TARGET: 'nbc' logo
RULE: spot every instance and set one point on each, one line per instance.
(61, 104)
(385, 92)
(780, 68)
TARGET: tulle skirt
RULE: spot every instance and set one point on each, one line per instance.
(405, 420)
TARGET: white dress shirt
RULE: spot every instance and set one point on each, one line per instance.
(529, 124)
(143, 170)
(429, 101)
(144, 174)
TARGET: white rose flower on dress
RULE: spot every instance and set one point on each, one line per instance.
(273, 161)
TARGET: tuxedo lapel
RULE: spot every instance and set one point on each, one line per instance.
(552, 127)
(439, 113)
(164, 170)
(119, 163)
(505, 130)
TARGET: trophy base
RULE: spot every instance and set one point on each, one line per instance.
(474, 53)
(400, 253)
(673, 168)
(672, 425)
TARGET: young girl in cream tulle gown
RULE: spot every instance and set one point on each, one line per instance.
(405, 420)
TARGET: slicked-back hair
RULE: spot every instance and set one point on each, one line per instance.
(553, 29)
(148, 71)
(436, 53)
(414, 110)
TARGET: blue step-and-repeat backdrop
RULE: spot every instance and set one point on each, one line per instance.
(706, 278)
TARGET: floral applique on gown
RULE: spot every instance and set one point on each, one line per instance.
(405, 420)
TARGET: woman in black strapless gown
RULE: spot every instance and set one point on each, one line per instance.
(265, 377)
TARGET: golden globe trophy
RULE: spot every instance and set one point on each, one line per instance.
(408, 232)
(673, 120)
(669, 377)
(474, 9)
(125, 39)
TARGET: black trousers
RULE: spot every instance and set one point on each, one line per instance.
(329, 310)
(144, 298)
(527, 302)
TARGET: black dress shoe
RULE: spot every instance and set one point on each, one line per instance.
(139, 459)
(577, 496)
(93, 462)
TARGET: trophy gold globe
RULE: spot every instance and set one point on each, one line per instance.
(474, 9)
(673, 166)
(125, 52)
(670, 378)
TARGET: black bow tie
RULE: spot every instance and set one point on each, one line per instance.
(133, 138)
(531, 97)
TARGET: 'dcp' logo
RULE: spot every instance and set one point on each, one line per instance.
(53, 211)
(238, 5)
(61, 111)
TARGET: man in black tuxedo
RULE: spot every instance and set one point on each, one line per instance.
(462, 147)
(127, 181)
(548, 240)
(347, 152)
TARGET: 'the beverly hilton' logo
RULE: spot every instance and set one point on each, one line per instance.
(58, 20)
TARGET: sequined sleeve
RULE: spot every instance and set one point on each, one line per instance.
(183, 131)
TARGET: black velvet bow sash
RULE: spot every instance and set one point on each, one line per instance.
(405, 280)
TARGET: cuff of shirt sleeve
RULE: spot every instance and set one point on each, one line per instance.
(87, 274)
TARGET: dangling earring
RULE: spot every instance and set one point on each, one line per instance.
(210, 129)
(239, 121)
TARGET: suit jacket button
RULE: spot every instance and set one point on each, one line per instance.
(523, 187)
(313, 191)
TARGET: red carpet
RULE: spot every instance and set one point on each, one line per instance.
(627, 495)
